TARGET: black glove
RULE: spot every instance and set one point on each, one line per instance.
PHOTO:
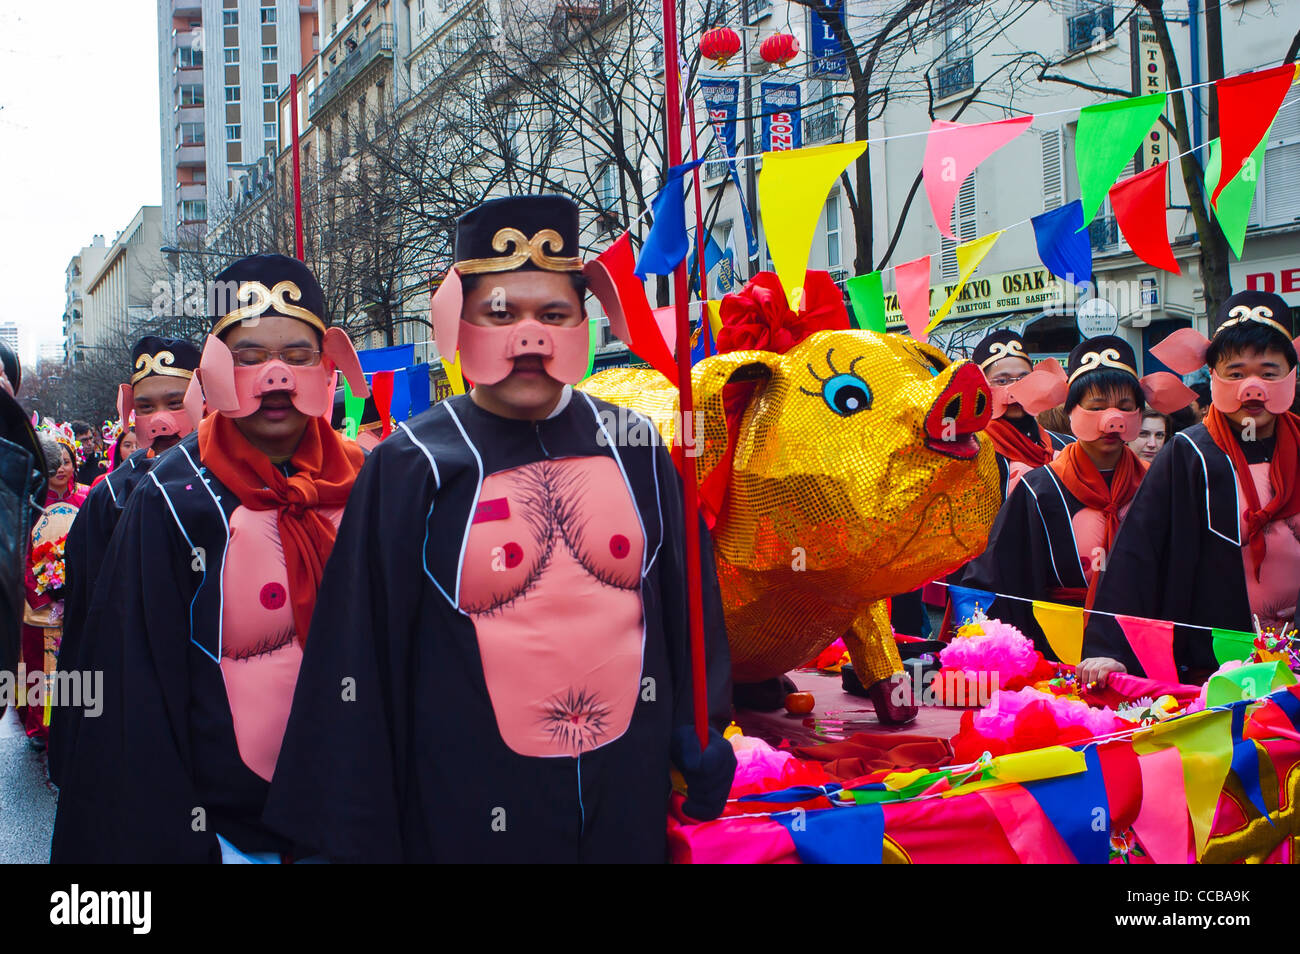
(708, 775)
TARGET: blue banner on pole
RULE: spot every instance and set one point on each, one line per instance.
(722, 100)
(827, 57)
(781, 126)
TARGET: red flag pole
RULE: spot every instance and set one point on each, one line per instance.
(686, 399)
(297, 178)
(699, 230)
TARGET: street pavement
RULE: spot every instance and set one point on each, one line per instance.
(26, 797)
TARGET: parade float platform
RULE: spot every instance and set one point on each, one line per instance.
(834, 785)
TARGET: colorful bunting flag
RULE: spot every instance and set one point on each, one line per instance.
(1107, 137)
(1204, 741)
(666, 244)
(353, 408)
(969, 255)
(792, 190)
(1078, 808)
(612, 278)
(1063, 245)
(836, 835)
(593, 342)
(965, 600)
(1153, 644)
(454, 378)
(1231, 645)
(1139, 204)
(381, 386)
(867, 296)
(1163, 824)
(952, 151)
(1063, 627)
(1235, 201)
(1248, 105)
(418, 381)
(912, 281)
(1245, 761)
(1252, 681)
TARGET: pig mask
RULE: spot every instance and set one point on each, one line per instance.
(1092, 425)
(149, 427)
(1276, 395)
(1043, 388)
(487, 353)
(237, 391)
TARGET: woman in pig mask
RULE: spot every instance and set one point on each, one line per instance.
(1213, 538)
(1052, 537)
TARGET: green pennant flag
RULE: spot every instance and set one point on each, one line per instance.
(1253, 681)
(1233, 207)
(867, 295)
(1231, 645)
(353, 408)
(1109, 134)
(593, 342)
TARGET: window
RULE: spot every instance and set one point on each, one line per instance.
(232, 132)
(230, 18)
(189, 57)
(1103, 230)
(1088, 25)
(268, 132)
(270, 92)
(231, 55)
(419, 16)
(268, 15)
(191, 134)
(1053, 169)
(191, 95)
(964, 225)
(1281, 180)
(270, 54)
(194, 210)
(232, 94)
(607, 186)
(833, 232)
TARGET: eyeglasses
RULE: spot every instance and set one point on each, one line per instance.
(294, 357)
(1006, 380)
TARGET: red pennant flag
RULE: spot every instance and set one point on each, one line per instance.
(613, 281)
(912, 279)
(1248, 105)
(1139, 204)
(381, 386)
(1153, 644)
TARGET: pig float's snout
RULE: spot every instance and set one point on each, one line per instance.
(963, 408)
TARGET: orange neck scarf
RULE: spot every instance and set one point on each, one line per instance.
(1013, 444)
(1281, 474)
(325, 466)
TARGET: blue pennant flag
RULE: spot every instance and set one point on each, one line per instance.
(667, 244)
(712, 256)
(1061, 246)
(964, 600)
(853, 835)
(1079, 809)
(1245, 760)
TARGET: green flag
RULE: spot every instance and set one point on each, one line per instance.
(1233, 207)
(867, 296)
(1231, 645)
(1109, 134)
(353, 408)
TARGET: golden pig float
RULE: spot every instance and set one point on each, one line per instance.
(835, 475)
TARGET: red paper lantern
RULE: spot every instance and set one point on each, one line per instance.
(720, 44)
(779, 48)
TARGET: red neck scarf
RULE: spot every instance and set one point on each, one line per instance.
(1082, 478)
(1013, 444)
(1282, 474)
(326, 466)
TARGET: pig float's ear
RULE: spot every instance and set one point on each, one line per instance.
(711, 437)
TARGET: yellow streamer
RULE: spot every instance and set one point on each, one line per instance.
(1204, 740)
(1051, 762)
(792, 190)
(969, 256)
(1063, 627)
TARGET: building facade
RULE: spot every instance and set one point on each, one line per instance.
(119, 294)
(85, 263)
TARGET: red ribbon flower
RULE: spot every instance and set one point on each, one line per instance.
(758, 317)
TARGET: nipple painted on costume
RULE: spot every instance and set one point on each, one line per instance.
(273, 596)
(619, 546)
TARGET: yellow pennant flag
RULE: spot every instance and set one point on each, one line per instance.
(454, 377)
(1051, 762)
(1204, 740)
(713, 308)
(969, 256)
(1063, 627)
(792, 190)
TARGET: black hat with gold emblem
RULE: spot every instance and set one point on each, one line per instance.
(1003, 343)
(269, 284)
(165, 356)
(519, 232)
(1104, 351)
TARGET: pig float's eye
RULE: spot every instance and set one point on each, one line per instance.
(844, 393)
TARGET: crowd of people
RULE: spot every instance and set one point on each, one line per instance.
(314, 648)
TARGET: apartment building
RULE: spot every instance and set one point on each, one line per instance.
(118, 292)
(86, 262)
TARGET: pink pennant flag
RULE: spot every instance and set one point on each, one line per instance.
(1163, 824)
(1139, 204)
(912, 279)
(1153, 644)
(953, 150)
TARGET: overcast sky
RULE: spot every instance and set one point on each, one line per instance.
(79, 144)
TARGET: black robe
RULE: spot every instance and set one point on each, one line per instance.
(1059, 443)
(413, 767)
(88, 541)
(1178, 556)
(158, 773)
(1032, 553)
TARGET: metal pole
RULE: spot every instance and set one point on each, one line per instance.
(297, 176)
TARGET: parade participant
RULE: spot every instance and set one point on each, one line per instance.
(22, 481)
(206, 592)
(123, 447)
(1020, 442)
(87, 457)
(1052, 536)
(1152, 437)
(507, 602)
(162, 370)
(1213, 538)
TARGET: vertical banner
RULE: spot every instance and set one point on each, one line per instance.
(722, 99)
(1149, 77)
(827, 58)
(781, 125)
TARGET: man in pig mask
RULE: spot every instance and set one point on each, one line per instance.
(499, 670)
(162, 371)
(207, 590)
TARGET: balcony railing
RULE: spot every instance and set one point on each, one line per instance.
(1103, 234)
(954, 77)
(759, 9)
(1092, 27)
(378, 43)
(820, 126)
